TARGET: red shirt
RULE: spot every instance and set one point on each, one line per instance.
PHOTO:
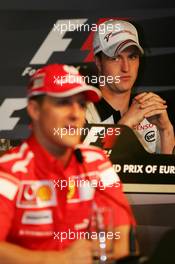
(37, 203)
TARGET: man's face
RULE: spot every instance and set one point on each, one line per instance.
(125, 65)
(57, 120)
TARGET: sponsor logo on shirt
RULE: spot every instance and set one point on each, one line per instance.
(143, 127)
(36, 194)
(150, 136)
(37, 217)
(71, 191)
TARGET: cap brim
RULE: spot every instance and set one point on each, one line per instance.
(92, 94)
(132, 43)
(113, 51)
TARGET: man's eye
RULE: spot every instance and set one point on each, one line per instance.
(116, 58)
(61, 101)
(133, 56)
(67, 102)
(64, 102)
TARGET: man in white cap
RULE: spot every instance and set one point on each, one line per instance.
(49, 184)
(117, 56)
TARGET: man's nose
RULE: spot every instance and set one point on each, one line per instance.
(125, 65)
(75, 109)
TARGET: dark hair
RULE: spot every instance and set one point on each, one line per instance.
(38, 98)
(99, 54)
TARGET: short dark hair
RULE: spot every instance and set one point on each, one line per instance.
(99, 54)
(38, 98)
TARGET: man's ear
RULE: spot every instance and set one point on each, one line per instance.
(98, 63)
(33, 109)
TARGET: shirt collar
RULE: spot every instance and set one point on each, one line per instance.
(105, 110)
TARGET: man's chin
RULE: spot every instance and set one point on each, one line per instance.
(121, 89)
(125, 88)
(71, 141)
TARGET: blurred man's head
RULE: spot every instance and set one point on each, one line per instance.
(117, 52)
(57, 100)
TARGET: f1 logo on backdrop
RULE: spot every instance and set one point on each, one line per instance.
(102, 136)
(7, 108)
(54, 42)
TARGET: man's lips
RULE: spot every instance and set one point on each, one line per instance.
(71, 127)
(125, 78)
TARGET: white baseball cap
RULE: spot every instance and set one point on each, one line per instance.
(113, 36)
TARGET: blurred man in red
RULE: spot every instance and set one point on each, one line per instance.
(37, 205)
